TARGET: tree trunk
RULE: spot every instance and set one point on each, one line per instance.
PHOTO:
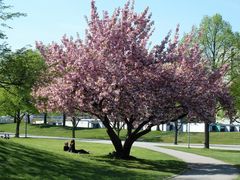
(176, 133)
(123, 151)
(132, 138)
(64, 119)
(127, 147)
(18, 121)
(158, 127)
(114, 138)
(118, 129)
(15, 118)
(73, 132)
(206, 142)
(28, 118)
(45, 118)
(73, 126)
(116, 143)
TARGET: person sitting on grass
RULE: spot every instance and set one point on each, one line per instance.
(6, 136)
(66, 147)
(73, 150)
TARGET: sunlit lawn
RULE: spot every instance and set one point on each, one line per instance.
(154, 136)
(44, 159)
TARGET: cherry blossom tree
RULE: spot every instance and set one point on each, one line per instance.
(114, 76)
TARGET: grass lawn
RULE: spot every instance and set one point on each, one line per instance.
(229, 156)
(154, 136)
(45, 159)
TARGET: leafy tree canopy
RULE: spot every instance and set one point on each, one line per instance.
(115, 77)
(19, 71)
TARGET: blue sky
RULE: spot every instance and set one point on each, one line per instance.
(49, 20)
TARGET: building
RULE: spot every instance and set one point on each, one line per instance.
(220, 126)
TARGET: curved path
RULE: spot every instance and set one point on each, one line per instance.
(200, 167)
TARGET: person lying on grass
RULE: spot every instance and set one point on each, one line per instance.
(72, 148)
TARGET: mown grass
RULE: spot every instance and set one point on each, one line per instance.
(229, 156)
(27, 158)
(154, 136)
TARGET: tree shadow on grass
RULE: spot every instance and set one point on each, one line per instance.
(42, 126)
(22, 162)
(169, 166)
(211, 169)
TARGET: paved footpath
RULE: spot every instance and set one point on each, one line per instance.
(200, 167)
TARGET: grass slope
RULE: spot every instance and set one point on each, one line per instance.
(45, 159)
(154, 136)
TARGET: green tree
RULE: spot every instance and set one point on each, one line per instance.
(235, 83)
(218, 43)
(21, 71)
(217, 40)
(235, 89)
(16, 103)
